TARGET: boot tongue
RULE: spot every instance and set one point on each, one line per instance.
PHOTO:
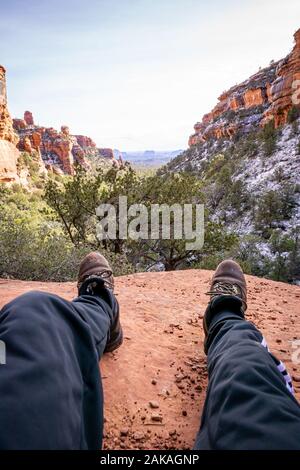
(90, 285)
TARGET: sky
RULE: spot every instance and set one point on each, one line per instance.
(135, 74)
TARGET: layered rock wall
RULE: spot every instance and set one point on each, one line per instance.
(267, 95)
(285, 90)
(8, 138)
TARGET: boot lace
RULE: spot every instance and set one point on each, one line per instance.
(106, 275)
(224, 288)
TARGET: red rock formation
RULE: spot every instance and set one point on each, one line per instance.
(19, 124)
(225, 120)
(28, 118)
(27, 145)
(52, 150)
(236, 102)
(254, 97)
(268, 94)
(9, 155)
(30, 141)
(84, 141)
(58, 144)
(6, 125)
(56, 149)
(106, 153)
(36, 138)
(285, 90)
(79, 154)
(8, 139)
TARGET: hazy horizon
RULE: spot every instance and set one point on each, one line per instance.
(136, 75)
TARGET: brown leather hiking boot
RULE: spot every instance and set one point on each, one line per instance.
(95, 277)
(228, 279)
(94, 264)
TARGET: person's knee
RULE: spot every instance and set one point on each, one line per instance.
(32, 296)
(23, 298)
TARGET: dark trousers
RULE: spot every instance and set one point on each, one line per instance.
(50, 387)
(249, 402)
(51, 393)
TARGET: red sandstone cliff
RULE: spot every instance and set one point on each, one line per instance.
(8, 138)
(267, 95)
(57, 150)
(285, 90)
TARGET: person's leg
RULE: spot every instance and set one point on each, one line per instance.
(50, 388)
(95, 278)
(249, 402)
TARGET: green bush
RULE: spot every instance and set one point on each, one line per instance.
(33, 245)
(273, 207)
(295, 128)
(279, 175)
(293, 114)
(286, 251)
(247, 252)
(42, 252)
(268, 135)
(288, 201)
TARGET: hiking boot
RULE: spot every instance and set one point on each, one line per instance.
(95, 265)
(95, 277)
(228, 280)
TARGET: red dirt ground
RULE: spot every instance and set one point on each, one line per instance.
(155, 383)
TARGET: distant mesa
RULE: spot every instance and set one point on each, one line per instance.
(151, 157)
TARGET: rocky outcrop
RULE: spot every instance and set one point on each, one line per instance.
(59, 151)
(254, 97)
(85, 142)
(267, 95)
(28, 118)
(240, 108)
(56, 148)
(9, 155)
(106, 153)
(285, 90)
(8, 138)
(19, 124)
(52, 150)
(6, 126)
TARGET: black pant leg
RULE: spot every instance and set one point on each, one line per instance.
(248, 403)
(50, 387)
